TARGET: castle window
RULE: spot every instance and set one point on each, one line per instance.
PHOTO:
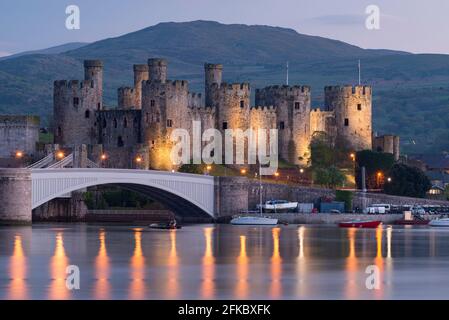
(147, 117)
(76, 101)
(359, 107)
(120, 142)
(225, 125)
(242, 104)
(169, 123)
(296, 105)
(152, 103)
(135, 122)
(98, 106)
(59, 132)
(281, 125)
(115, 122)
(87, 114)
(346, 122)
(125, 123)
(104, 123)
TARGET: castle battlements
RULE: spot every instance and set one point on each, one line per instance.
(348, 90)
(160, 105)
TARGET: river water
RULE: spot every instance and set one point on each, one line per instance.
(224, 262)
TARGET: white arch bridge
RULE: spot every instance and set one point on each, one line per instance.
(185, 194)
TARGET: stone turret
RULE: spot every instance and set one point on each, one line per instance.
(212, 75)
(157, 69)
(141, 73)
(352, 106)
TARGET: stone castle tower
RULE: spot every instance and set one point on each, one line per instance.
(352, 107)
(149, 111)
(74, 106)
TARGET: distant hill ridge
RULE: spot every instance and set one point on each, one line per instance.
(408, 88)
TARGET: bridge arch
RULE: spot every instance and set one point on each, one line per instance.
(179, 191)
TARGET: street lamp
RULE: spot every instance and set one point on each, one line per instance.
(60, 155)
(276, 174)
(301, 170)
(243, 171)
(19, 154)
(352, 155)
(103, 157)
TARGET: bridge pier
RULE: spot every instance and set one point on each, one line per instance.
(15, 196)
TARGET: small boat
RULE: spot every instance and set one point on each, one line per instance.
(254, 221)
(359, 224)
(172, 225)
(278, 206)
(439, 223)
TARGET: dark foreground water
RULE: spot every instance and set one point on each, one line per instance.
(224, 262)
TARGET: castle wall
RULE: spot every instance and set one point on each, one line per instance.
(18, 133)
(293, 119)
(387, 144)
(352, 107)
(323, 121)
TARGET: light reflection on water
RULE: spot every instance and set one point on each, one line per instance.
(223, 261)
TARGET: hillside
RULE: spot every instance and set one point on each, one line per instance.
(411, 92)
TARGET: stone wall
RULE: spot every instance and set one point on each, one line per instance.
(18, 133)
(15, 196)
(240, 194)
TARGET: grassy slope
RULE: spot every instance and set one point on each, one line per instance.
(411, 92)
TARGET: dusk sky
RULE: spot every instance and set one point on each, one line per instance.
(412, 25)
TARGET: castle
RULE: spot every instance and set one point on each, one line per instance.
(140, 127)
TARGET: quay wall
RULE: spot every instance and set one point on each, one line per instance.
(15, 196)
(331, 219)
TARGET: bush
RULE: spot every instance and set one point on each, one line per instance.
(407, 181)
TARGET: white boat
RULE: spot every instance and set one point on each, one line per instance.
(278, 206)
(439, 223)
(254, 221)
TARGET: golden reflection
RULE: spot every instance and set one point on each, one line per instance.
(18, 271)
(351, 266)
(102, 288)
(58, 266)
(276, 265)
(208, 286)
(137, 289)
(389, 236)
(242, 271)
(379, 260)
(301, 265)
(173, 265)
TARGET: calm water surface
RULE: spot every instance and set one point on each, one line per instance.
(223, 262)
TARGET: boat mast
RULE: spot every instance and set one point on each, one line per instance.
(360, 73)
(287, 75)
(260, 189)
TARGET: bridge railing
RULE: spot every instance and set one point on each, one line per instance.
(62, 163)
(42, 163)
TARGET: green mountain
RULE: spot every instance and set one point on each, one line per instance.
(411, 91)
(52, 50)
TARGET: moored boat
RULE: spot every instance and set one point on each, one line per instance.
(414, 222)
(248, 220)
(171, 225)
(359, 224)
(439, 223)
(278, 206)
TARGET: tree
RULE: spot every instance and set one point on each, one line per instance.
(407, 181)
(192, 168)
(330, 177)
(374, 163)
(322, 154)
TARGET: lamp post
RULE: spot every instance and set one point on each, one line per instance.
(103, 159)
